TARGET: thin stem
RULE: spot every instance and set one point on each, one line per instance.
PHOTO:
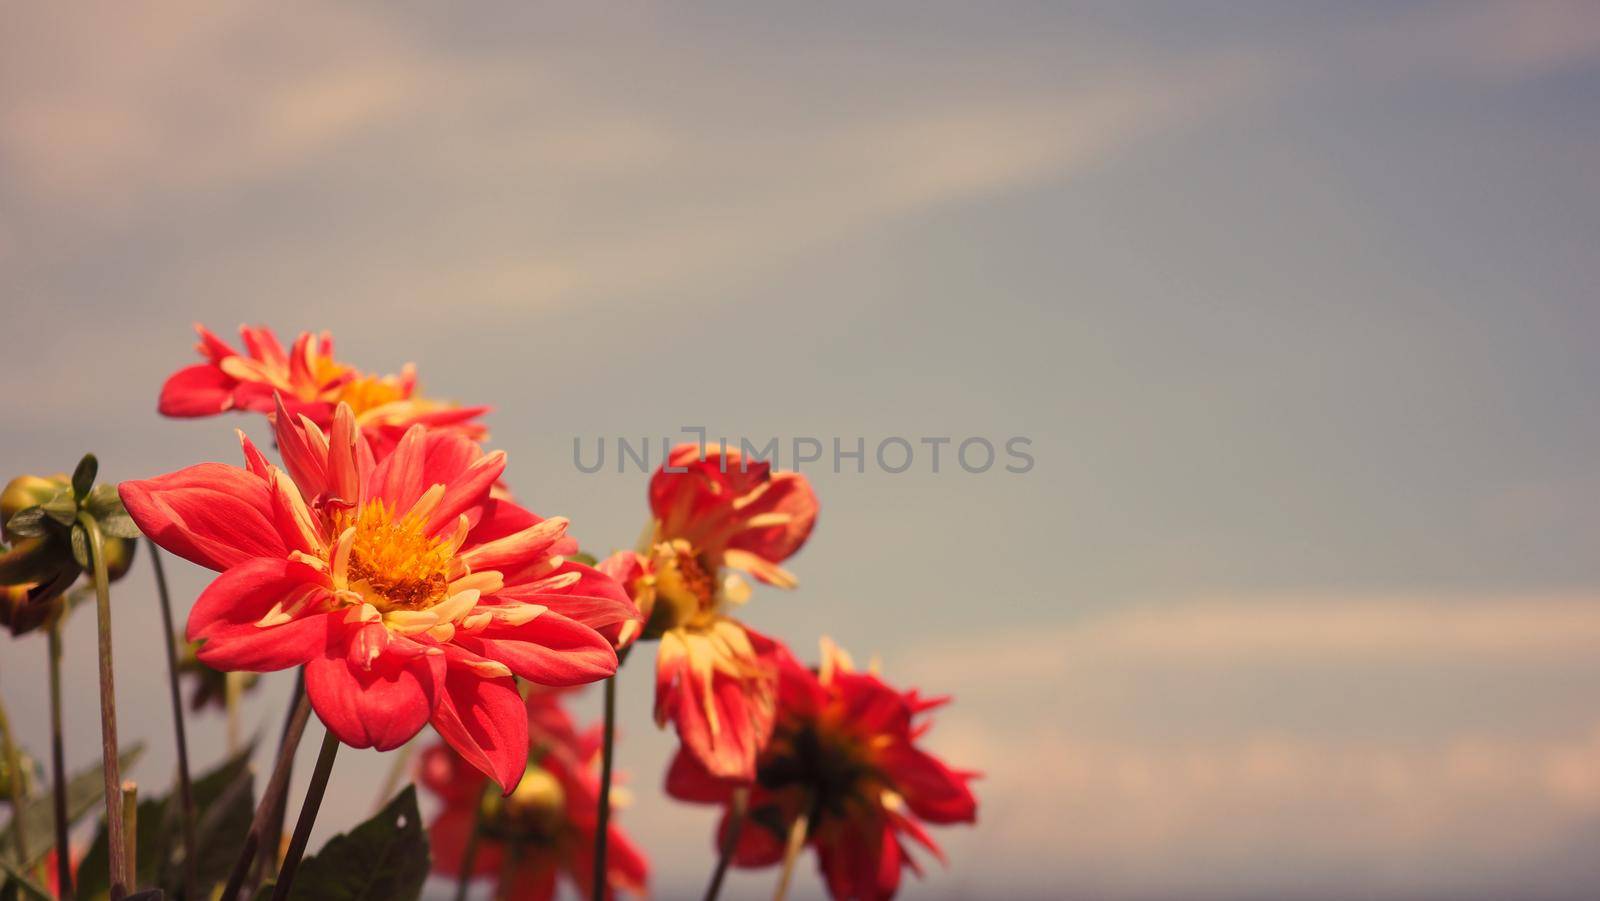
(270, 852)
(791, 851)
(469, 861)
(19, 834)
(185, 786)
(602, 832)
(273, 795)
(308, 816)
(130, 827)
(118, 841)
(58, 758)
(232, 689)
(730, 840)
(397, 769)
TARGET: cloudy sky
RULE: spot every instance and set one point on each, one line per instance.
(1293, 301)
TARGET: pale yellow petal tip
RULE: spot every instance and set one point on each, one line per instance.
(834, 660)
(735, 590)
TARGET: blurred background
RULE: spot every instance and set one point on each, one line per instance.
(1294, 301)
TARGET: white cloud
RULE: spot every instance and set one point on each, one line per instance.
(1274, 792)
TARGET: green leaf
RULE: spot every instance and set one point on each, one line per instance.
(80, 546)
(224, 801)
(584, 557)
(18, 883)
(385, 857)
(83, 476)
(61, 507)
(29, 523)
(224, 804)
(85, 789)
(118, 524)
(105, 505)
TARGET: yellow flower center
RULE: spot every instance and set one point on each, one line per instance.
(535, 811)
(368, 392)
(684, 588)
(394, 563)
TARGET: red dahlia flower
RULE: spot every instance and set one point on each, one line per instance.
(545, 826)
(310, 382)
(409, 594)
(844, 753)
(713, 677)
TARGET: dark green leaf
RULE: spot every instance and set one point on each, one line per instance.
(224, 805)
(385, 857)
(94, 869)
(84, 790)
(83, 476)
(224, 802)
(29, 523)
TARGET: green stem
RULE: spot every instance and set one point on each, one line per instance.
(730, 841)
(232, 688)
(602, 831)
(115, 834)
(19, 834)
(469, 859)
(58, 764)
(308, 816)
(185, 786)
(272, 797)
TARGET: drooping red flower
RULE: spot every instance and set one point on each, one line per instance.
(844, 751)
(544, 828)
(713, 514)
(310, 382)
(409, 594)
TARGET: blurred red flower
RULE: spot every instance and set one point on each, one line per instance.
(714, 512)
(311, 382)
(407, 591)
(844, 751)
(547, 824)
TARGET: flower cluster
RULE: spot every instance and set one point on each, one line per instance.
(379, 553)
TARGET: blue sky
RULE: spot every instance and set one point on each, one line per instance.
(1293, 300)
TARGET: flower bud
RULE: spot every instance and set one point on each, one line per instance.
(119, 556)
(44, 519)
(23, 492)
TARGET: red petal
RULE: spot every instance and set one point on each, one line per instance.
(443, 772)
(485, 721)
(378, 708)
(448, 835)
(225, 616)
(788, 493)
(688, 781)
(932, 790)
(211, 514)
(198, 390)
(547, 650)
(595, 600)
